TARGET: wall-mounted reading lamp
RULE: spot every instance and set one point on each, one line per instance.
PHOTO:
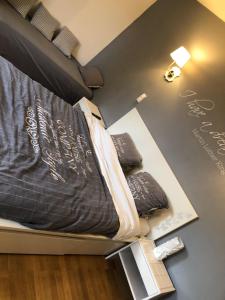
(180, 57)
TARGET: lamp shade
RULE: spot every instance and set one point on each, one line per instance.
(180, 56)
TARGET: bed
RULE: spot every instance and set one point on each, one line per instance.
(60, 178)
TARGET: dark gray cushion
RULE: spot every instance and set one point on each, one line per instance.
(65, 41)
(22, 6)
(45, 22)
(128, 154)
(147, 193)
(92, 77)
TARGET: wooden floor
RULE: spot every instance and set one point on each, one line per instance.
(33, 277)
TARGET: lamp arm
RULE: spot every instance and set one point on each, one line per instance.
(170, 66)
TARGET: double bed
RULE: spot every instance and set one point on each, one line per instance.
(63, 190)
(59, 170)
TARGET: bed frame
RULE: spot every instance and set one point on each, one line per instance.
(25, 241)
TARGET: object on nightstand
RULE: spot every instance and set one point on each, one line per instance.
(88, 106)
(147, 277)
(171, 247)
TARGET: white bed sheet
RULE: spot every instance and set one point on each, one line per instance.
(130, 223)
(11, 224)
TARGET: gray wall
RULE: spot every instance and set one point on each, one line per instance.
(134, 63)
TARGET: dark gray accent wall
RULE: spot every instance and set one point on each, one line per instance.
(134, 63)
(136, 60)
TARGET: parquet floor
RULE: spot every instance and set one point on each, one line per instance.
(34, 277)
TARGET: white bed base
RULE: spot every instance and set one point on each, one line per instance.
(28, 241)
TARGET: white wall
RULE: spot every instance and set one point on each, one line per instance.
(96, 22)
(216, 6)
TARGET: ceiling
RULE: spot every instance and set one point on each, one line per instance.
(216, 6)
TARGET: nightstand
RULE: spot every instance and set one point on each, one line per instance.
(88, 106)
(147, 277)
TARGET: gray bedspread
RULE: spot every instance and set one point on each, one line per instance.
(49, 174)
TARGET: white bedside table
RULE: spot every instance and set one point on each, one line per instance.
(88, 106)
(147, 277)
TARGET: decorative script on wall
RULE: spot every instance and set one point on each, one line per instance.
(211, 138)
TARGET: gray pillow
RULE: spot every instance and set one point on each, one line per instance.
(92, 76)
(22, 6)
(128, 154)
(147, 193)
(45, 22)
(65, 41)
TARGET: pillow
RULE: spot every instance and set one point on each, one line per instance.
(147, 193)
(92, 77)
(128, 154)
(22, 6)
(44, 22)
(65, 41)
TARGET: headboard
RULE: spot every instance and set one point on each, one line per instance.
(180, 211)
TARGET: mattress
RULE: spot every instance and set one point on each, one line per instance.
(116, 182)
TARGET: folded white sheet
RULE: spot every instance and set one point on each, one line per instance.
(116, 182)
(11, 224)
